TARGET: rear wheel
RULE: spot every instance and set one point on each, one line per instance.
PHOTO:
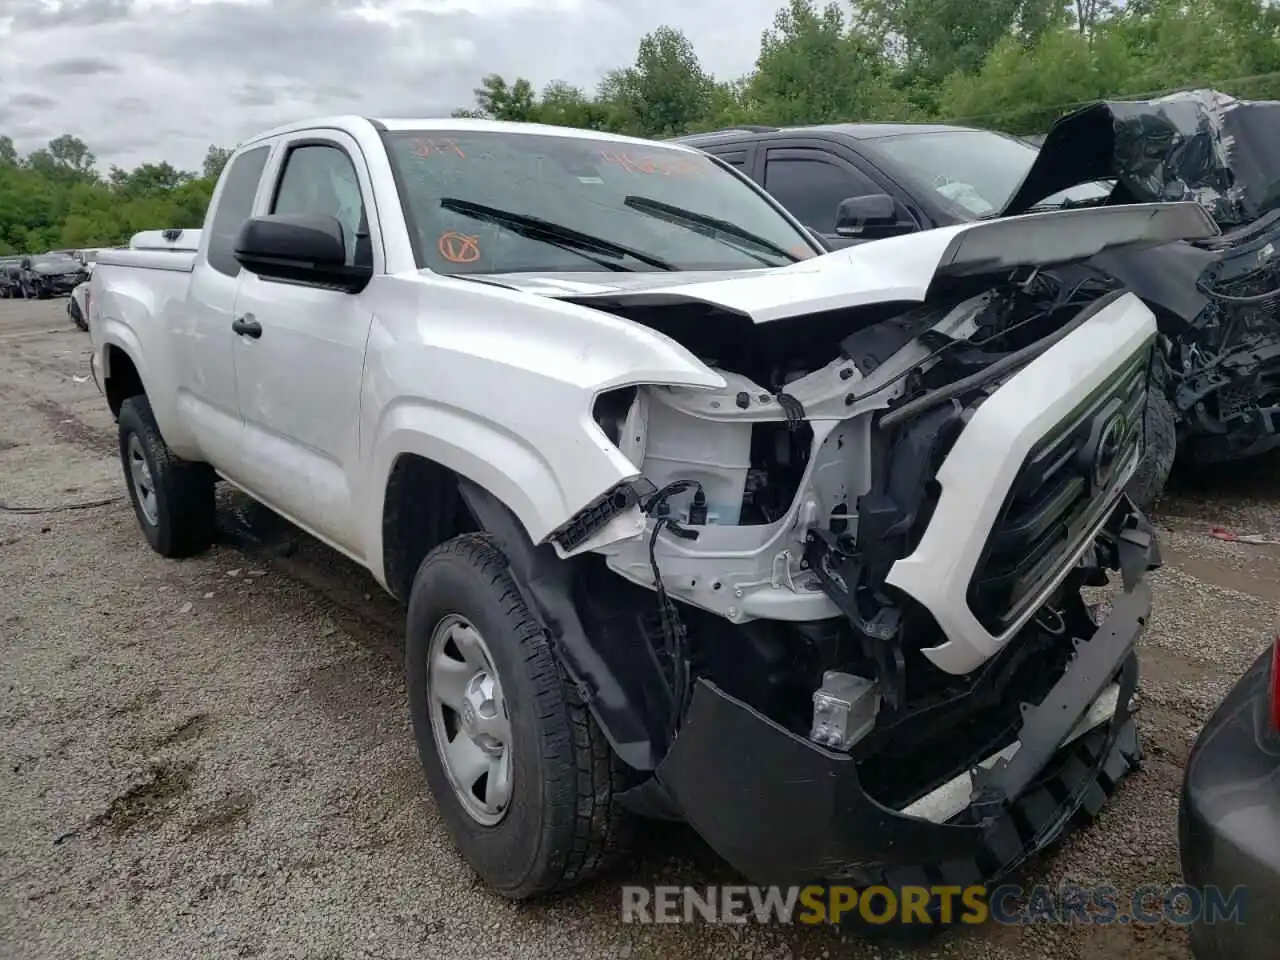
(522, 775)
(172, 499)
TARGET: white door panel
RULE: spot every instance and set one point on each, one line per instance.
(299, 389)
(299, 368)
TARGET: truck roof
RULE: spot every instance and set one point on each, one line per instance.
(352, 124)
(854, 131)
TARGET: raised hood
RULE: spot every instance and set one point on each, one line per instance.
(897, 269)
(1200, 145)
(58, 267)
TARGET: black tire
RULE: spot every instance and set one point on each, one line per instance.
(1148, 481)
(73, 311)
(562, 824)
(185, 512)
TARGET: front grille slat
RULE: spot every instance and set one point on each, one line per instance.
(1056, 500)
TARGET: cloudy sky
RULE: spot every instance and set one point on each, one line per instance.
(150, 80)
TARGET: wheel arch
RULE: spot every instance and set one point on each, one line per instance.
(425, 502)
(122, 375)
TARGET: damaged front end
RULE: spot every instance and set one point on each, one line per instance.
(837, 621)
(1218, 300)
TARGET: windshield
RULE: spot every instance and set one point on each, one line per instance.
(974, 170)
(497, 202)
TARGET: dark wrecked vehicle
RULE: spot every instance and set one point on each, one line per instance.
(1215, 300)
(53, 274)
(10, 277)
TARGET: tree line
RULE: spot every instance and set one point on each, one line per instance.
(1012, 65)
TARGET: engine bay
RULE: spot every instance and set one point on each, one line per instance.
(743, 454)
(776, 507)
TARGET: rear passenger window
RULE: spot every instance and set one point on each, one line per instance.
(235, 206)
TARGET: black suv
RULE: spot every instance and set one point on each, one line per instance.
(851, 182)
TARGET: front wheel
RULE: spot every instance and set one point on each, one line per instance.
(173, 499)
(522, 775)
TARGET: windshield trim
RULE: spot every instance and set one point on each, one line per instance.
(389, 137)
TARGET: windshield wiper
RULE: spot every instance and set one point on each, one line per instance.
(702, 221)
(556, 234)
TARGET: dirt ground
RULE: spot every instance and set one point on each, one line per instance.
(212, 758)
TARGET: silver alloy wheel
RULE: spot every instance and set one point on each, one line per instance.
(140, 477)
(469, 718)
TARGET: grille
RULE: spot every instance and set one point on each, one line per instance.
(1060, 495)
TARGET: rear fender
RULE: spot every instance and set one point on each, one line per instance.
(124, 313)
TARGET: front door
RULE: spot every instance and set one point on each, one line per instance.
(300, 354)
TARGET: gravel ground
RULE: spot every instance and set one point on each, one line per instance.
(212, 758)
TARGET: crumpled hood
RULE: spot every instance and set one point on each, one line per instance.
(57, 269)
(896, 269)
(1200, 145)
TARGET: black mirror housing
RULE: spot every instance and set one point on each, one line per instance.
(299, 248)
(873, 216)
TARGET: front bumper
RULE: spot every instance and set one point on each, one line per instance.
(1229, 822)
(62, 282)
(781, 809)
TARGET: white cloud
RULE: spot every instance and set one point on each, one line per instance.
(150, 80)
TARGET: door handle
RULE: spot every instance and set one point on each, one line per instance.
(247, 326)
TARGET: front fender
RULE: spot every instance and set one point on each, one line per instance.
(505, 464)
(499, 388)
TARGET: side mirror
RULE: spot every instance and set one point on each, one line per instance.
(298, 248)
(873, 217)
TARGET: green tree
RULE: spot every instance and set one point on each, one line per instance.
(214, 160)
(665, 92)
(815, 68)
(498, 100)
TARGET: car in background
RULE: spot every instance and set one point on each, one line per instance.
(1229, 815)
(53, 274)
(78, 305)
(10, 277)
(1217, 301)
(905, 177)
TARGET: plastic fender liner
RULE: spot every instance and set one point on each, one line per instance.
(610, 690)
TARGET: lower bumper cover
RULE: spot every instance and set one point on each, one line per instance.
(781, 809)
(1229, 822)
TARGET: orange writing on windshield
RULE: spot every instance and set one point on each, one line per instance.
(458, 247)
(428, 148)
(666, 166)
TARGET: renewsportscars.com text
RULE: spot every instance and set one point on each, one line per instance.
(1007, 904)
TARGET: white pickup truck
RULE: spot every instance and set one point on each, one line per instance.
(691, 520)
